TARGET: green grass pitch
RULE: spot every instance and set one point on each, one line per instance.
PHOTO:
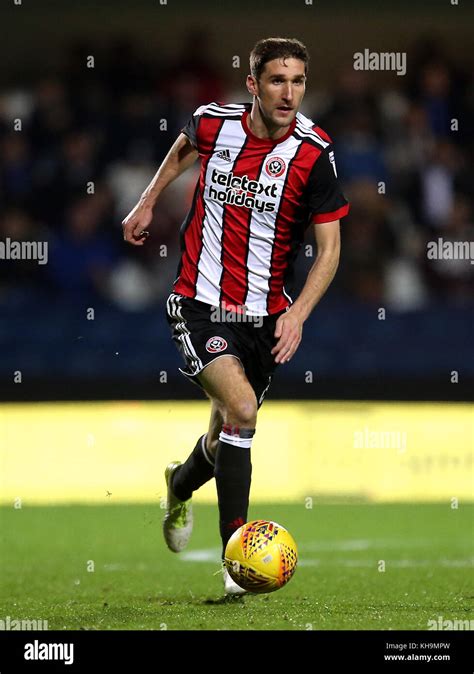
(107, 567)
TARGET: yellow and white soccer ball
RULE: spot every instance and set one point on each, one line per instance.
(261, 556)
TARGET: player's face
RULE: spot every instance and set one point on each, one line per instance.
(280, 90)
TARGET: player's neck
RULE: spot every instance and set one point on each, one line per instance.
(260, 129)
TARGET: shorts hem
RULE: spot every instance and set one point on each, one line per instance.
(191, 376)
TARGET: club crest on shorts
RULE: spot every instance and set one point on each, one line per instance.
(216, 344)
(275, 167)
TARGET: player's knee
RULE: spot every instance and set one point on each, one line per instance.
(242, 412)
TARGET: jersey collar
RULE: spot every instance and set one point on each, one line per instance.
(266, 142)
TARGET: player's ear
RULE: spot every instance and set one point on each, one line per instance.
(252, 85)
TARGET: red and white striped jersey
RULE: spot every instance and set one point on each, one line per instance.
(252, 203)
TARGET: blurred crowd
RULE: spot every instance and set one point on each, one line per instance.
(78, 147)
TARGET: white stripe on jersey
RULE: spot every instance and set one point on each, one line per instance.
(241, 106)
(209, 265)
(262, 233)
(220, 110)
(304, 133)
(225, 107)
(227, 113)
(304, 127)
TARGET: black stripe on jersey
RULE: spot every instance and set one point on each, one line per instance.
(184, 227)
(309, 140)
(224, 212)
(304, 129)
(304, 133)
(277, 216)
(213, 147)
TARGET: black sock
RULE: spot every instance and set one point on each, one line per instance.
(233, 475)
(195, 471)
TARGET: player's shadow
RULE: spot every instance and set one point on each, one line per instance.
(226, 599)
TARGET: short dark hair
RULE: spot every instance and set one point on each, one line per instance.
(276, 48)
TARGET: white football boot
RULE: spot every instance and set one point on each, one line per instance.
(230, 586)
(178, 520)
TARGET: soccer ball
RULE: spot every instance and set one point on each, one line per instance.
(261, 556)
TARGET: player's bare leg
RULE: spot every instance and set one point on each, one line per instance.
(227, 386)
(215, 427)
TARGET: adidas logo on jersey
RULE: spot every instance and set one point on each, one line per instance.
(225, 155)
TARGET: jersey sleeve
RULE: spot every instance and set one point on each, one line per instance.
(326, 200)
(191, 129)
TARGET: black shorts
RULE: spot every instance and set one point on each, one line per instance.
(201, 338)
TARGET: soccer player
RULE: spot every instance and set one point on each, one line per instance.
(267, 173)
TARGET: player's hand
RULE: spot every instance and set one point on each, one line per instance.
(136, 223)
(288, 331)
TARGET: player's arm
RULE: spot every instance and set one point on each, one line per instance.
(328, 240)
(180, 157)
(327, 205)
(289, 327)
